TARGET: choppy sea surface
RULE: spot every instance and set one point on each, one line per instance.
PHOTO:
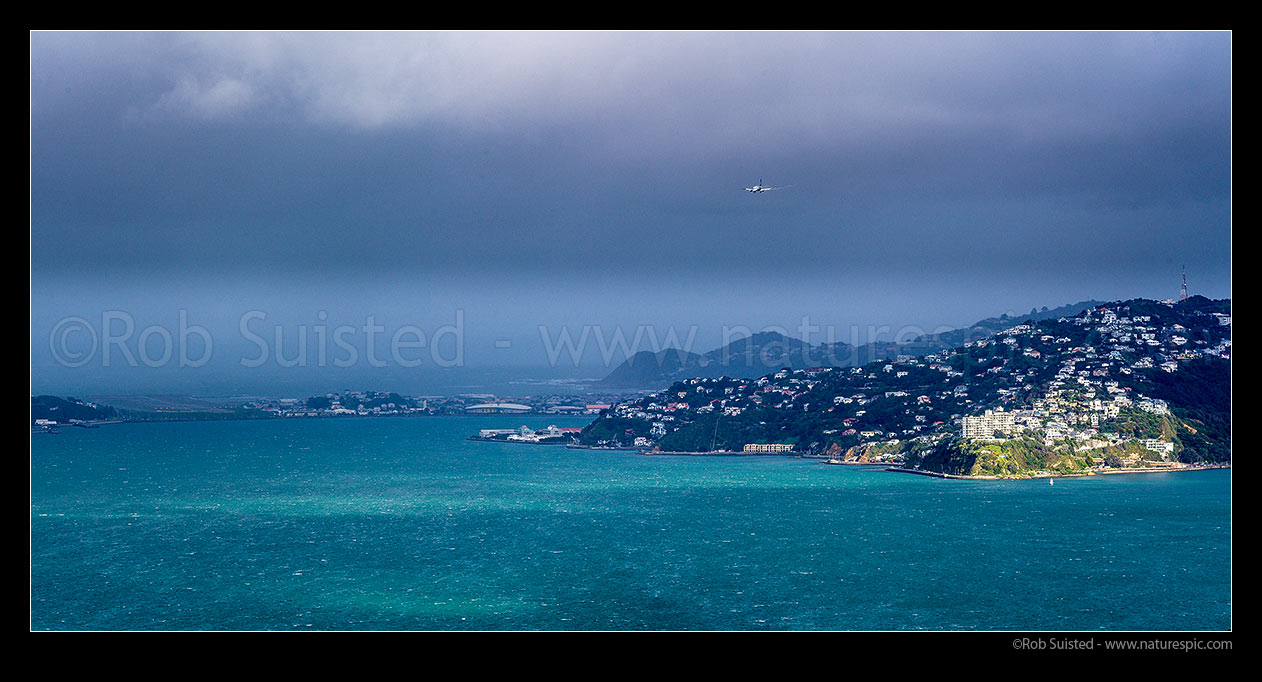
(401, 523)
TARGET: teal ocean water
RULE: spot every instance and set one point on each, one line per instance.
(403, 524)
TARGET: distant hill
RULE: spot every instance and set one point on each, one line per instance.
(748, 356)
(64, 410)
(136, 408)
(754, 356)
(646, 368)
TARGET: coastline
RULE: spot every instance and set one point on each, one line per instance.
(513, 442)
(1108, 472)
(716, 453)
(848, 464)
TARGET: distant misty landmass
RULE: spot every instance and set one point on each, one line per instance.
(768, 351)
(68, 410)
(746, 357)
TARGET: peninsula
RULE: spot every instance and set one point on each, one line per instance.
(1127, 385)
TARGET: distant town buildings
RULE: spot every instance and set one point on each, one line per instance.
(768, 447)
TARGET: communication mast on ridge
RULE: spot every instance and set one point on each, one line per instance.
(1183, 292)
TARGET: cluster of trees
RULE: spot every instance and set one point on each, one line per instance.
(1134, 423)
(1211, 442)
(1199, 394)
(610, 429)
(368, 402)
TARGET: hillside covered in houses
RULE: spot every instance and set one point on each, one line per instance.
(1128, 383)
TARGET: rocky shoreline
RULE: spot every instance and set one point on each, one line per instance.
(1104, 472)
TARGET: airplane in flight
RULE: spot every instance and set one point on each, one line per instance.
(761, 188)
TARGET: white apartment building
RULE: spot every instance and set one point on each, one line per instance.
(984, 426)
(1159, 446)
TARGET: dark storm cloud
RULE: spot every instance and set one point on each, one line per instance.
(460, 151)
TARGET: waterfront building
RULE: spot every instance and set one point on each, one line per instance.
(1159, 446)
(768, 447)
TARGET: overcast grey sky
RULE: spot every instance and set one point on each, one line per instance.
(595, 178)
